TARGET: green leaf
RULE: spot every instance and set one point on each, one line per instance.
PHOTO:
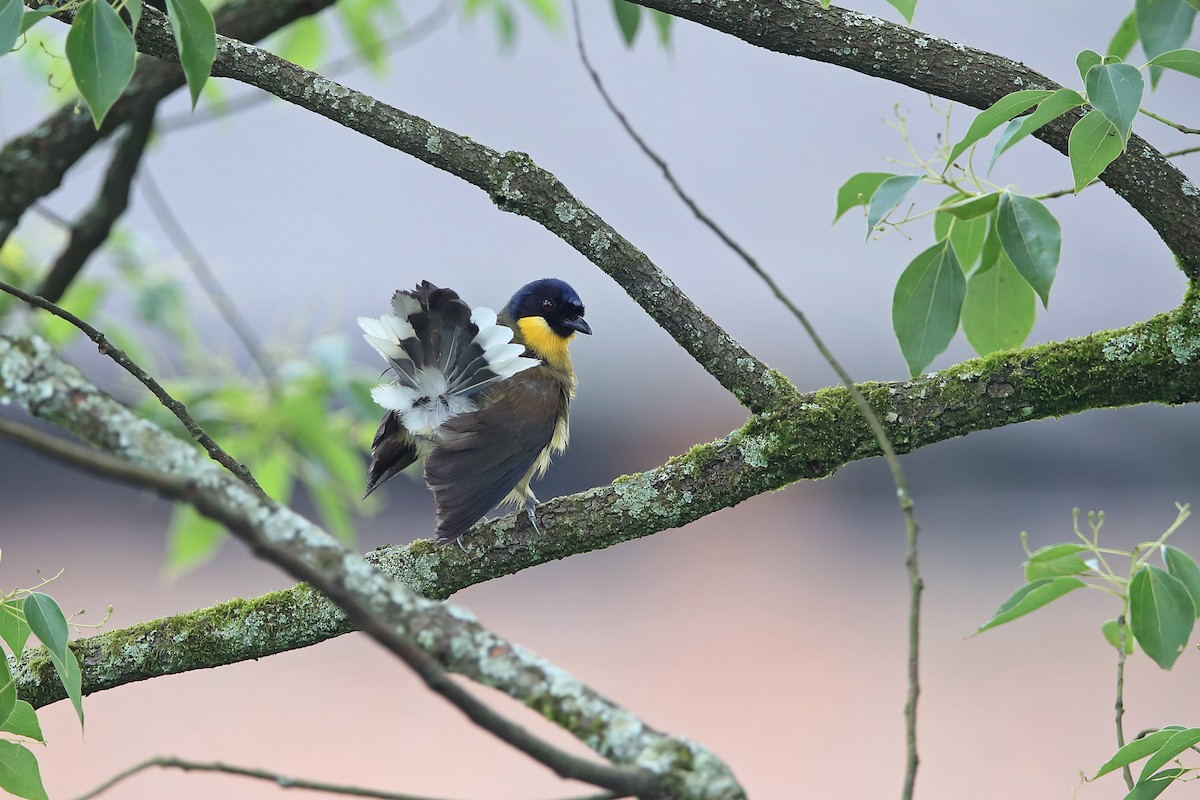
(1138, 749)
(1093, 144)
(196, 38)
(1047, 111)
(361, 19)
(927, 304)
(662, 22)
(134, 7)
(12, 12)
(47, 622)
(1031, 238)
(905, 7)
(972, 206)
(997, 113)
(1182, 740)
(303, 42)
(192, 540)
(8, 691)
(991, 252)
(1185, 61)
(998, 314)
(1002, 141)
(19, 774)
(1113, 636)
(547, 11)
(1031, 597)
(858, 189)
(1115, 90)
(35, 16)
(1161, 614)
(23, 722)
(14, 630)
(629, 18)
(1086, 60)
(1162, 25)
(966, 236)
(1181, 565)
(1156, 785)
(1055, 559)
(887, 196)
(101, 52)
(1123, 40)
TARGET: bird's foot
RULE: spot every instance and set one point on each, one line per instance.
(531, 512)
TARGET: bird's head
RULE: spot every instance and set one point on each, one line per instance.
(548, 313)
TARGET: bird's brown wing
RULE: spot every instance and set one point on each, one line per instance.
(483, 455)
(390, 451)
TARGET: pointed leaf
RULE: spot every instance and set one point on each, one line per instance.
(927, 304)
(972, 206)
(991, 252)
(629, 18)
(11, 14)
(19, 774)
(858, 189)
(1162, 25)
(1123, 40)
(1086, 60)
(1113, 635)
(662, 23)
(1138, 749)
(887, 196)
(1155, 785)
(47, 622)
(196, 38)
(1182, 740)
(905, 7)
(1031, 597)
(35, 16)
(1115, 90)
(998, 314)
(1031, 238)
(101, 52)
(966, 236)
(1047, 111)
(1055, 559)
(1093, 144)
(192, 540)
(1181, 565)
(996, 114)
(13, 628)
(1002, 141)
(1161, 614)
(134, 7)
(24, 722)
(67, 667)
(1185, 61)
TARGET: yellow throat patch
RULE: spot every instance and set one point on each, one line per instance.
(545, 343)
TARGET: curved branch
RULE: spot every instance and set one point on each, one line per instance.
(92, 229)
(1156, 361)
(1150, 183)
(515, 183)
(427, 635)
(33, 165)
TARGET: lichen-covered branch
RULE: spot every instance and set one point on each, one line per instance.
(33, 164)
(515, 183)
(1156, 361)
(1142, 176)
(414, 628)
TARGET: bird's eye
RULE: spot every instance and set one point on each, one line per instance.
(547, 304)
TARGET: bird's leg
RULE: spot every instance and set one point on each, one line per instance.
(531, 511)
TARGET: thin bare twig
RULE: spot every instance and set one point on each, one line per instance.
(118, 355)
(906, 503)
(414, 33)
(205, 276)
(282, 781)
(1120, 704)
(93, 227)
(1176, 125)
(209, 501)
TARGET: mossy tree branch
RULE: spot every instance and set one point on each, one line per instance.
(1156, 361)
(429, 636)
(1143, 176)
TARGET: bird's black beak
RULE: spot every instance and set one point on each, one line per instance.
(577, 324)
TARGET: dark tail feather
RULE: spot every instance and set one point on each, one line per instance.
(390, 453)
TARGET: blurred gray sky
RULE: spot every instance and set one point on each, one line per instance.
(309, 225)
